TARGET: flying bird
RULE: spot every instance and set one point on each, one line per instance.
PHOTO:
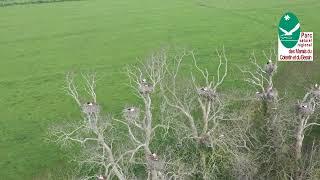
(286, 33)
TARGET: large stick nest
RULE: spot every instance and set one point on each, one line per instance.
(131, 113)
(155, 163)
(315, 91)
(145, 88)
(270, 68)
(304, 108)
(91, 108)
(204, 139)
(207, 93)
(270, 94)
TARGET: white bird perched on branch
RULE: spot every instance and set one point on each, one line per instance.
(316, 91)
(269, 61)
(270, 67)
(305, 108)
(145, 87)
(100, 177)
(131, 109)
(144, 82)
(154, 157)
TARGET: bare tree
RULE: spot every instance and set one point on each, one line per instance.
(203, 114)
(144, 79)
(94, 136)
(91, 132)
(282, 126)
(273, 137)
(206, 96)
(305, 110)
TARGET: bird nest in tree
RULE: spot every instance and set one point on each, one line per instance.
(270, 68)
(271, 94)
(207, 93)
(145, 88)
(315, 91)
(131, 113)
(90, 108)
(101, 177)
(154, 162)
(305, 108)
(205, 139)
(260, 95)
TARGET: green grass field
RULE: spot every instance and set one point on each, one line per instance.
(39, 43)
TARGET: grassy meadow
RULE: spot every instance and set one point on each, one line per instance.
(39, 43)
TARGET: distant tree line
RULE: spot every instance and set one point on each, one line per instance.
(22, 2)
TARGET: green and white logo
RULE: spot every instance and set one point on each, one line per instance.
(289, 30)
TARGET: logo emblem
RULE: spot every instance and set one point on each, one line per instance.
(289, 30)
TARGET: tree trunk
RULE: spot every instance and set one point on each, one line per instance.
(298, 148)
